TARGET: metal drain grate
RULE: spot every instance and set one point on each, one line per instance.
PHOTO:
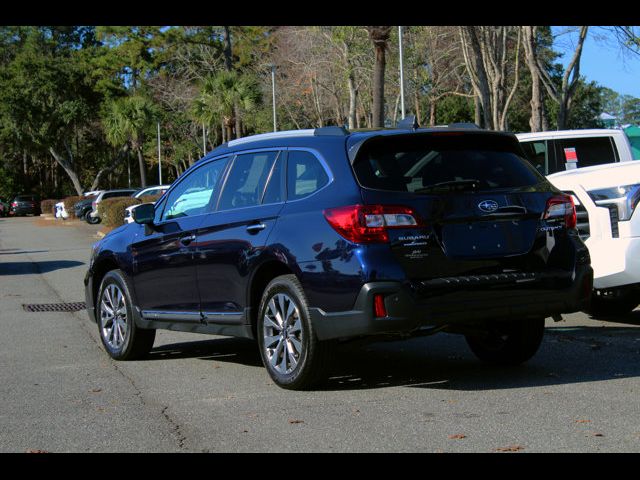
(54, 307)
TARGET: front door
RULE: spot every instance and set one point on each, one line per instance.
(164, 256)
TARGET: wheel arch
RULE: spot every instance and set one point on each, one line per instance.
(266, 272)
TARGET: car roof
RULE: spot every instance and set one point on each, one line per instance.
(320, 136)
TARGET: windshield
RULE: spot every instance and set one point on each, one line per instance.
(439, 164)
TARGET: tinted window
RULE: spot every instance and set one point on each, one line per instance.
(193, 195)
(588, 151)
(538, 155)
(305, 175)
(25, 198)
(117, 194)
(246, 181)
(425, 164)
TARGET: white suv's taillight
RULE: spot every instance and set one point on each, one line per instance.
(561, 206)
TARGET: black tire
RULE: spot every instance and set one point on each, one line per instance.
(508, 343)
(615, 304)
(92, 220)
(312, 361)
(137, 342)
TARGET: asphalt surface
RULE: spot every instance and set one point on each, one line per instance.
(60, 392)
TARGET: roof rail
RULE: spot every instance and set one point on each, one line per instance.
(409, 122)
(309, 132)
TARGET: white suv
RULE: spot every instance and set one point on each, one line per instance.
(606, 197)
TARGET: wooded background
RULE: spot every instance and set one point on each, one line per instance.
(80, 105)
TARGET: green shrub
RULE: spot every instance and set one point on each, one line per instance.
(69, 202)
(48, 206)
(111, 210)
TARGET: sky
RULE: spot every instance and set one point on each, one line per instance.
(602, 60)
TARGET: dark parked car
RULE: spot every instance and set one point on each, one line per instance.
(25, 205)
(299, 239)
(84, 206)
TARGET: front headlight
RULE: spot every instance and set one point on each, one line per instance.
(625, 197)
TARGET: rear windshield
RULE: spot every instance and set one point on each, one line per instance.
(25, 198)
(443, 163)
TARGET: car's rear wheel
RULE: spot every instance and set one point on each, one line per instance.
(121, 338)
(508, 343)
(290, 350)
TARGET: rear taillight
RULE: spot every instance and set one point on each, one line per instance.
(93, 204)
(369, 223)
(379, 310)
(561, 206)
(14, 204)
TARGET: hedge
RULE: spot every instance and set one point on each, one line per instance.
(48, 206)
(111, 210)
(69, 202)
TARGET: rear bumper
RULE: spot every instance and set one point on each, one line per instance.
(615, 261)
(408, 310)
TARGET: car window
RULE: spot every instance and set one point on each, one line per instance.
(538, 155)
(305, 175)
(246, 181)
(274, 193)
(424, 164)
(585, 152)
(193, 195)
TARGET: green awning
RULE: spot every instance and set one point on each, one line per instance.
(633, 134)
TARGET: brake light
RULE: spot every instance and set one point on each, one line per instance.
(369, 223)
(561, 206)
(14, 204)
(378, 306)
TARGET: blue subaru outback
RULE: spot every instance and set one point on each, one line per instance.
(301, 239)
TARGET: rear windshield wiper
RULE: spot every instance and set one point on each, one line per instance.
(451, 186)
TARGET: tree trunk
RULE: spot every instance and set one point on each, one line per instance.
(378, 87)
(353, 97)
(530, 51)
(380, 37)
(68, 168)
(141, 165)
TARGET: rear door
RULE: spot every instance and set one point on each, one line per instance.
(480, 203)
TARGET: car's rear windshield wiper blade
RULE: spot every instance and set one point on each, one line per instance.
(451, 186)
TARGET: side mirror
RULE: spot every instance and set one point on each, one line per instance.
(143, 214)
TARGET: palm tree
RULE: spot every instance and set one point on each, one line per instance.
(380, 38)
(221, 94)
(126, 121)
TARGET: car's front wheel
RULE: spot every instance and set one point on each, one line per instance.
(120, 336)
(508, 343)
(290, 350)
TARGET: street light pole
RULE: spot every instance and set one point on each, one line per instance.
(273, 91)
(159, 158)
(401, 73)
(204, 140)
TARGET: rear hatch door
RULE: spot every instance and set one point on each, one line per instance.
(480, 204)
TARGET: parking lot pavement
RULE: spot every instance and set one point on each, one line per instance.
(61, 392)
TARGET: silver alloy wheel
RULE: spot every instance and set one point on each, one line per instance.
(113, 314)
(282, 333)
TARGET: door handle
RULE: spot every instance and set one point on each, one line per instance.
(256, 227)
(186, 240)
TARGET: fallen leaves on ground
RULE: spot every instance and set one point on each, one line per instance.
(510, 448)
(293, 422)
(457, 436)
